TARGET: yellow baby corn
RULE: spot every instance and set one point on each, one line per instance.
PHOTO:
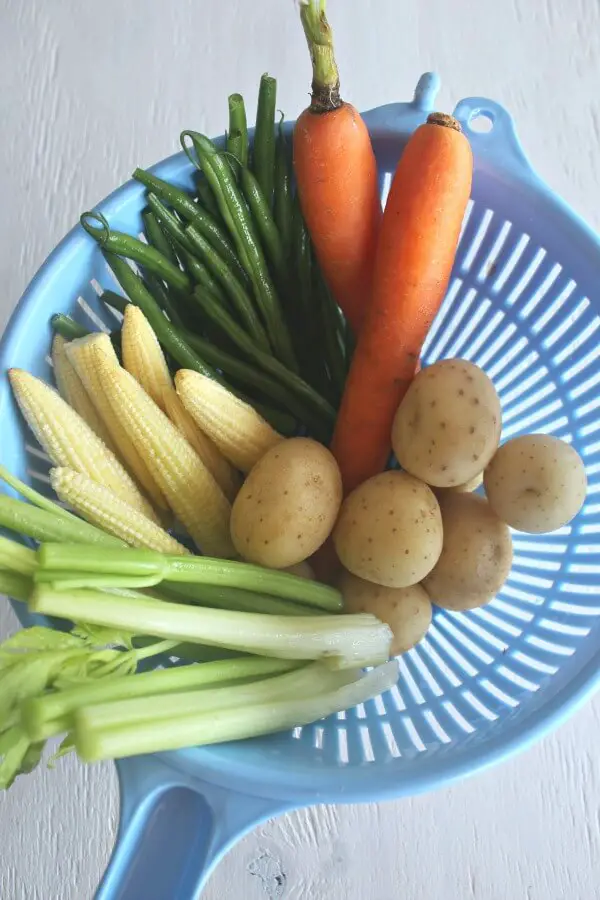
(240, 433)
(71, 389)
(192, 492)
(223, 473)
(69, 441)
(101, 507)
(85, 354)
(142, 354)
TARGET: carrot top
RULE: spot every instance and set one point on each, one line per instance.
(319, 37)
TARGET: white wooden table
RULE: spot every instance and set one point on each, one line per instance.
(87, 91)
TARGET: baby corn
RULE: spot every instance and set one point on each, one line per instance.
(192, 492)
(223, 473)
(69, 441)
(142, 355)
(85, 355)
(101, 507)
(144, 359)
(240, 433)
(71, 389)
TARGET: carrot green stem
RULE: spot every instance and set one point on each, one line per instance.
(319, 37)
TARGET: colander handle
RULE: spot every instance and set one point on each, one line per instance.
(493, 136)
(173, 830)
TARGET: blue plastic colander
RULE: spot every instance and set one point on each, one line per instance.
(524, 304)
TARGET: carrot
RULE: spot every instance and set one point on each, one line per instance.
(336, 175)
(416, 250)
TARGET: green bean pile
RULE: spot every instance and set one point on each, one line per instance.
(227, 277)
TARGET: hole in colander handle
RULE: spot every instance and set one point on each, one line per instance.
(497, 141)
(173, 830)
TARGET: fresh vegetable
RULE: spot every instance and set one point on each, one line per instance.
(476, 555)
(448, 426)
(69, 441)
(240, 433)
(247, 720)
(465, 487)
(242, 229)
(337, 177)
(190, 489)
(407, 610)
(536, 483)
(283, 204)
(43, 525)
(344, 641)
(71, 389)
(288, 505)
(75, 564)
(263, 151)
(98, 505)
(301, 570)
(415, 253)
(389, 530)
(91, 358)
(237, 136)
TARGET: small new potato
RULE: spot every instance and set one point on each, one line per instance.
(288, 504)
(302, 570)
(536, 483)
(447, 428)
(476, 556)
(406, 610)
(389, 530)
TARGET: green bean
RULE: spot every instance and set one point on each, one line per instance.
(191, 212)
(163, 298)
(265, 223)
(263, 156)
(283, 199)
(68, 327)
(206, 198)
(166, 333)
(234, 289)
(302, 399)
(332, 336)
(237, 138)
(124, 245)
(156, 238)
(117, 301)
(239, 221)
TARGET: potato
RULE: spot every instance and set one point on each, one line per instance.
(536, 483)
(407, 610)
(389, 530)
(302, 570)
(466, 487)
(288, 504)
(476, 556)
(447, 428)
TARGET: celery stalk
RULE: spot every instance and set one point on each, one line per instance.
(188, 569)
(16, 558)
(40, 712)
(34, 496)
(310, 681)
(24, 518)
(348, 641)
(14, 585)
(234, 598)
(249, 720)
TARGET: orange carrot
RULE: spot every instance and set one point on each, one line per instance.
(416, 250)
(336, 174)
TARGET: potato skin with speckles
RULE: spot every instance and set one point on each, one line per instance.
(406, 610)
(389, 530)
(448, 426)
(536, 483)
(476, 556)
(288, 504)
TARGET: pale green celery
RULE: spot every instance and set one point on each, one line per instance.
(136, 563)
(234, 598)
(40, 715)
(14, 557)
(34, 496)
(42, 525)
(345, 641)
(16, 586)
(311, 681)
(226, 724)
